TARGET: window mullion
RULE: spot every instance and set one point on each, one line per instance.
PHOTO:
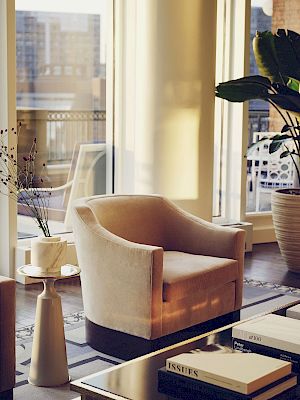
(8, 207)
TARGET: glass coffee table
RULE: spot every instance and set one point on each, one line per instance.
(137, 379)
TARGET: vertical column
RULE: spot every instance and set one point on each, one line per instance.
(165, 100)
(8, 208)
(175, 72)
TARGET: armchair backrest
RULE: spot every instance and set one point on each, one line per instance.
(154, 220)
(137, 218)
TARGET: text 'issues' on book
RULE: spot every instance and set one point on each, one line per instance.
(243, 373)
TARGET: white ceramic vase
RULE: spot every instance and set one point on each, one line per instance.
(48, 253)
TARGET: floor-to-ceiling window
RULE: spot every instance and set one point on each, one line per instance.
(265, 171)
(229, 138)
(61, 84)
(258, 193)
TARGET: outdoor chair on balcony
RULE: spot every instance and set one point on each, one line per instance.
(268, 171)
(86, 176)
(150, 269)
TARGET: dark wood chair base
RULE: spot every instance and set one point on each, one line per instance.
(7, 395)
(125, 346)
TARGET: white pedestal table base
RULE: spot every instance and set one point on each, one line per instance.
(49, 360)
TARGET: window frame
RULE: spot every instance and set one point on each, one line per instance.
(8, 206)
(110, 78)
(237, 15)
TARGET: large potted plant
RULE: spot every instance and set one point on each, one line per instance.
(278, 59)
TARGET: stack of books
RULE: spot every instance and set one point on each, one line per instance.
(272, 335)
(293, 312)
(212, 376)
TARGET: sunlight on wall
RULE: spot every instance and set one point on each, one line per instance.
(179, 157)
(168, 51)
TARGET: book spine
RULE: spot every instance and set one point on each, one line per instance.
(194, 373)
(250, 347)
(182, 387)
(293, 314)
(264, 340)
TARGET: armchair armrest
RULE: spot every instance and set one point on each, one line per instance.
(121, 280)
(191, 234)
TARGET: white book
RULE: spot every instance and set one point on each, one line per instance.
(293, 312)
(241, 372)
(271, 330)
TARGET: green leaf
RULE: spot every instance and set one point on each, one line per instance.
(287, 103)
(265, 55)
(262, 80)
(277, 141)
(295, 40)
(293, 84)
(255, 145)
(286, 99)
(274, 146)
(283, 89)
(281, 137)
(287, 45)
(284, 154)
(243, 89)
(285, 128)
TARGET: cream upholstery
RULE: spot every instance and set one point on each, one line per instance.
(184, 273)
(150, 269)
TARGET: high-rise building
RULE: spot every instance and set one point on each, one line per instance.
(58, 60)
(259, 22)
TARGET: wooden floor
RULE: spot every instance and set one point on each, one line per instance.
(264, 263)
(68, 289)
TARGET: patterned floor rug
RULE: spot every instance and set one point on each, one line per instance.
(272, 286)
(83, 360)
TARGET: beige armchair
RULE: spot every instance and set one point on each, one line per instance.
(150, 268)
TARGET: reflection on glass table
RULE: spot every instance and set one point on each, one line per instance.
(137, 379)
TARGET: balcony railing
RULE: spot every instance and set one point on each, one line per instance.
(258, 122)
(57, 131)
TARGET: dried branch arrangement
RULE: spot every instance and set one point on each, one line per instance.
(21, 182)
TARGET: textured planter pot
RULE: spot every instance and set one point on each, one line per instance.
(48, 253)
(286, 220)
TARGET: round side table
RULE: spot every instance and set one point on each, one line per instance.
(49, 365)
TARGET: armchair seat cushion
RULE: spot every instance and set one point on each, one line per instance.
(185, 274)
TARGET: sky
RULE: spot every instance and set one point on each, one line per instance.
(73, 6)
(261, 3)
(267, 5)
(257, 3)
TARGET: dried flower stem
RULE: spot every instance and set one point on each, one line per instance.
(19, 181)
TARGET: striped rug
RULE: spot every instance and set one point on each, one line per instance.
(83, 360)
